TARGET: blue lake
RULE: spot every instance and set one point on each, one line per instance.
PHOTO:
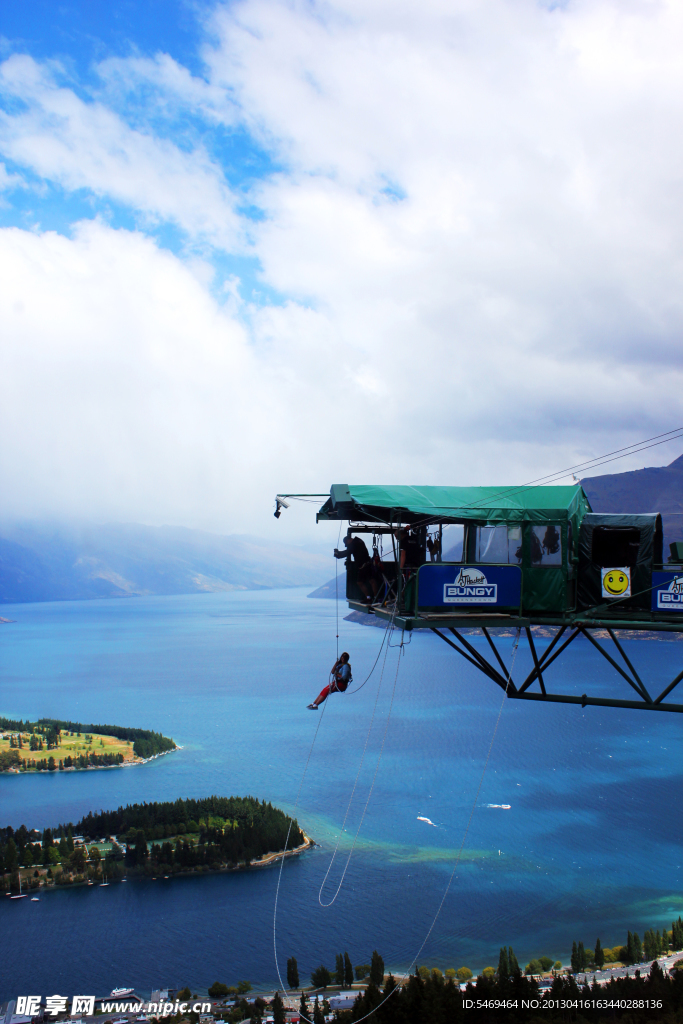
(590, 847)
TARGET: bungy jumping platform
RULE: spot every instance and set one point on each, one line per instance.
(522, 557)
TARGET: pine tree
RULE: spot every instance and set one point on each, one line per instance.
(292, 973)
(303, 1009)
(503, 965)
(575, 958)
(339, 970)
(513, 962)
(278, 1010)
(637, 948)
(318, 1015)
(376, 969)
(582, 957)
(599, 955)
(630, 955)
(348, 971)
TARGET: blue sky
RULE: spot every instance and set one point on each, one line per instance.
(270, 245)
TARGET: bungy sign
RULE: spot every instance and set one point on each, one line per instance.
(469, 586)
(667, 592)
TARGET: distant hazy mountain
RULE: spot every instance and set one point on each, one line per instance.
(52, 563)
(659, 489)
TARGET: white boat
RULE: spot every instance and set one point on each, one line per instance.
(34, 899)
(21, 895)
(117, 993)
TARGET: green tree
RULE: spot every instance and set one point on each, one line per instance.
(339, 970)
(575, 957)
(423, 972)
(545, 962)
(78, 860)
(488, 972)
(534, 967)
(637, 949)
(376, 969)
(321, 977)
(437, 975)
(218, 990)
(630, 952)
(278, 1009)
(503, 964)
(48, 842)
(450, 973)
(292, 973)
(11, 857)
(599, 955)
(318, 1015)
(243, 987)
(557, 966)
(348, 971)
(303, 1008)
(512, 960)
(362, 971)
(184, 994)
(463, 974)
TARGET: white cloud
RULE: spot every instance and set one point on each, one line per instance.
(478, 229)
(80, 144)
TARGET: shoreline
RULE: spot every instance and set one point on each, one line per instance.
(133, 762)
(267, 860)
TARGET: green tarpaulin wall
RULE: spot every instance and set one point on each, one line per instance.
(402, 504)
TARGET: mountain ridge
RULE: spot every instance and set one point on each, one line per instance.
(54, 562)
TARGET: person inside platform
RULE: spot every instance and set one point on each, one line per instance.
(359, 554)
(409, 548)
(341, 677)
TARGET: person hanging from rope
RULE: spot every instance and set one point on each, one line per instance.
(340, 679)
(357, 552)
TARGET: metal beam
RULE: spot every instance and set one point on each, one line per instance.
(534, 656)
(480, 658)
(491, 675)
(612, 662)
(559, 698)
(622, 652)
(548, 661)
(669, 688)
(506, 671)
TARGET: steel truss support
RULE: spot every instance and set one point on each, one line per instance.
(499, 674)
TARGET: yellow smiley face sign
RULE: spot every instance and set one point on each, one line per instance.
(616, 582)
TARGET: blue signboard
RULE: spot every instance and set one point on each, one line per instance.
(667, 591)
(460, 587)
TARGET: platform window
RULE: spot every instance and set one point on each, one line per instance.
(452, 543)
(615, 546)
(499, 544)
(546, 544)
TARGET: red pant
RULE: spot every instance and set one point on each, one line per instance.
(330, 688)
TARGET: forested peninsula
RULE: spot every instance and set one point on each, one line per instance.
(150, 839)
(53, 745)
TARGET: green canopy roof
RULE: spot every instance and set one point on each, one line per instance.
(402, 504)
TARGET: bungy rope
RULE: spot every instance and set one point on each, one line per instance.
(355, 784)
(515, 648)
(298, 795)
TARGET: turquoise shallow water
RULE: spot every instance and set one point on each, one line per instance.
(591, 845)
